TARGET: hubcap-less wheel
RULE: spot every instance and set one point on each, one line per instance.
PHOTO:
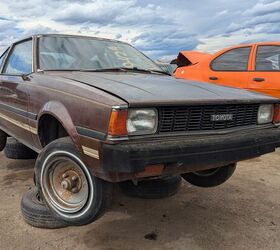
(68, 187)
(65, 185)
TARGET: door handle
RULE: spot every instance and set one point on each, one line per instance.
(213, 78)
(258, 79)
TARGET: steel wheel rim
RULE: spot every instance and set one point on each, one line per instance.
(62, 197)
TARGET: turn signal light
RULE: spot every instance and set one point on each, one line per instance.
(117, 124)
(151, 170)
(276, 117)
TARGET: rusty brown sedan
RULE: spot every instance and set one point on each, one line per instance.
(99, 111)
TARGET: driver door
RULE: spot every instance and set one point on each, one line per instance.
(13, 91)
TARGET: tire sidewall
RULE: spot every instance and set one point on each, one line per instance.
(36, 214)
(219, 176)
(16, 150)
(94, 203)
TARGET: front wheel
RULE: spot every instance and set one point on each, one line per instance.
(210, 177)
(68, 188)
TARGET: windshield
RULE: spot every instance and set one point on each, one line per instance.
(82, 53)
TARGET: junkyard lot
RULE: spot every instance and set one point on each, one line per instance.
(244, 213)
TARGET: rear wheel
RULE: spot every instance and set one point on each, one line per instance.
(3, 140)
(16, 150)
(210, 177)
(68, 188)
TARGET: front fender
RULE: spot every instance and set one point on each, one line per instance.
(61, 114)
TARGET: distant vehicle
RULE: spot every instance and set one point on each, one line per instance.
(167, 67)
(250, 66)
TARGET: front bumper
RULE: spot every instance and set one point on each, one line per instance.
(193, 153)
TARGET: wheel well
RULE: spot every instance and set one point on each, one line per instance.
(50, 129)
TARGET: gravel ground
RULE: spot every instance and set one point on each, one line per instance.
(244, 213)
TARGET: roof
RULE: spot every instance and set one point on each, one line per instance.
(248, 44)
(66, 35)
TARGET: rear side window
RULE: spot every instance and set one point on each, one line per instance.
(268, 58)
(20, 59)
(233, 60)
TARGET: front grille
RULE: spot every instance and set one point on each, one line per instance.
(195, 118)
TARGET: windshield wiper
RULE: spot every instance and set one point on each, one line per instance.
(126, 69)
(159, 71)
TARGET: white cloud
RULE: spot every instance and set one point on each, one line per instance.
(159, 28)
(222, 13)
(262, 8)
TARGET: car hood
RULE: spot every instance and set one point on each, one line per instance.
(139, 89)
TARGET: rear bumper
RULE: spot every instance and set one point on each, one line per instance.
(192, 152)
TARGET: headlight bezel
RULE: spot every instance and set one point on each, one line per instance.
(261, 110)
(143, 132)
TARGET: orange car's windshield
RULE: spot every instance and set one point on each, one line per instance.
(83, 53)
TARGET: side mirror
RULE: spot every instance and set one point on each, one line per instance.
(25, 77)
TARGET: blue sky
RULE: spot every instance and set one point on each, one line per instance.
(158, 28)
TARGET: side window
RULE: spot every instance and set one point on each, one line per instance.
(268, 58)
(20, 59)
(233, 60)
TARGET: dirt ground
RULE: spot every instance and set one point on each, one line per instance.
(244, 213)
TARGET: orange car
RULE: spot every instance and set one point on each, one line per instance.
(249, 66)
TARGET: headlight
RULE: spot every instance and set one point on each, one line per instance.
(265, 114)
(142, 121)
